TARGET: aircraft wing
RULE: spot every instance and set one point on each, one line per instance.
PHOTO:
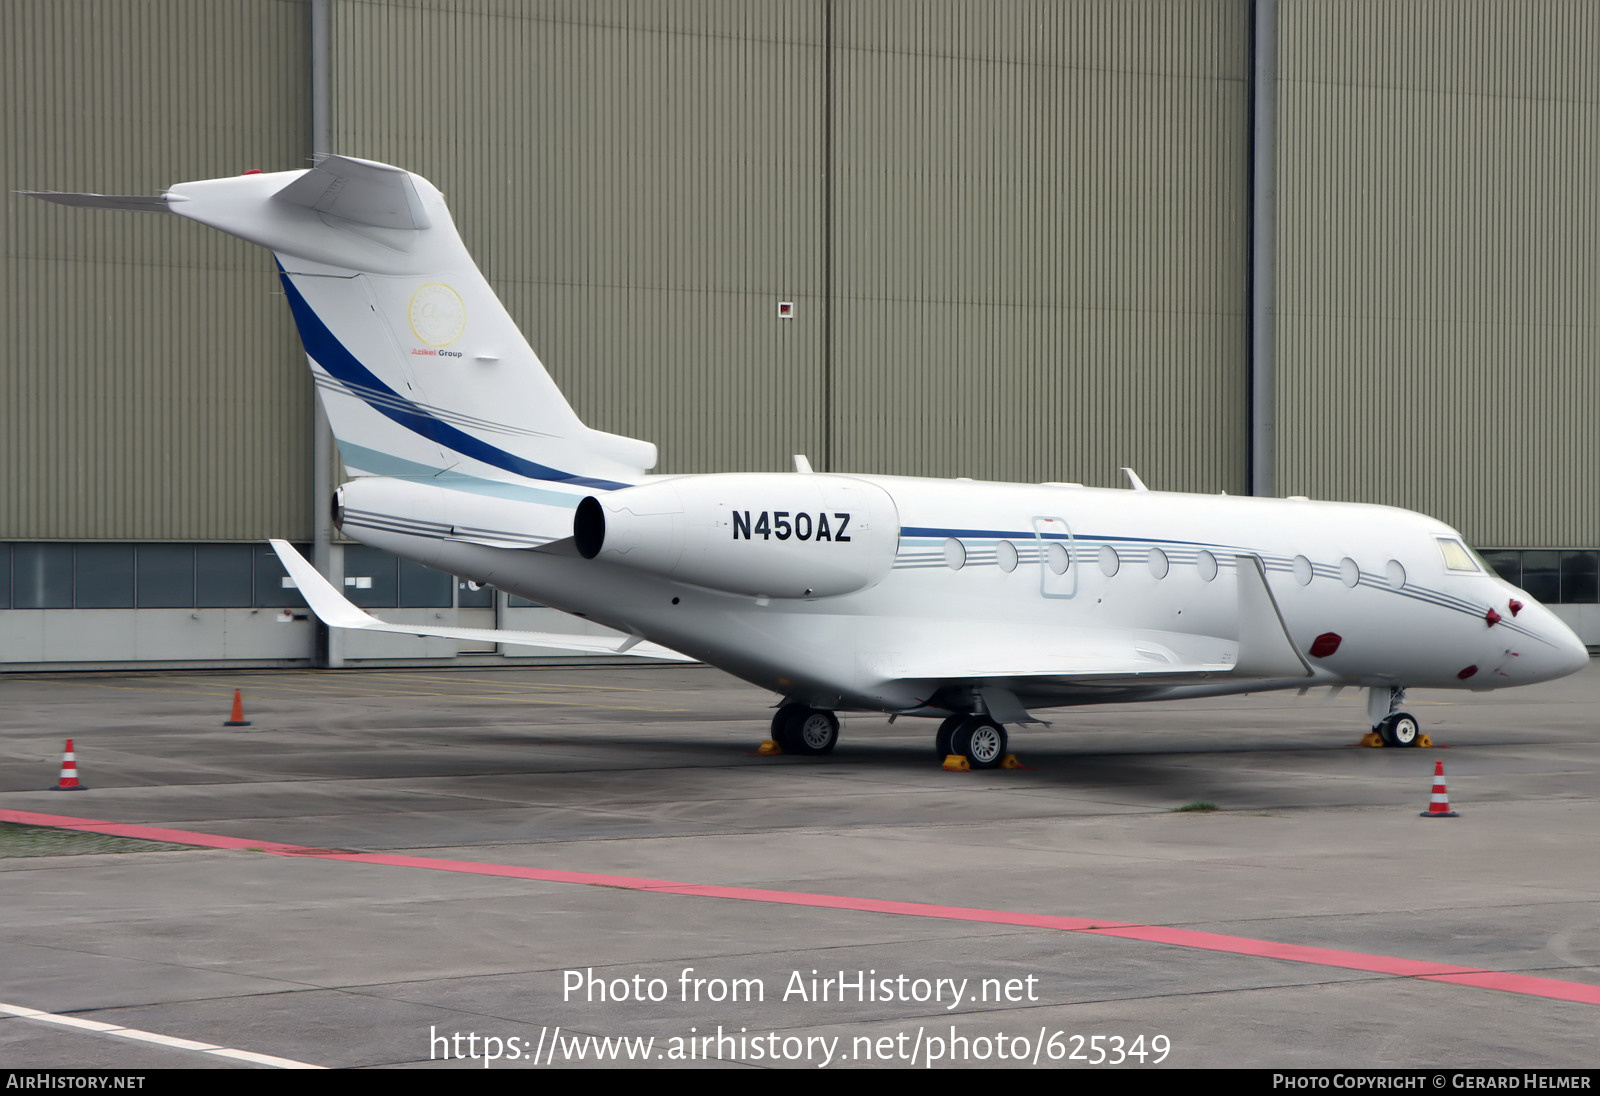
(1109, 657)
(336, 611)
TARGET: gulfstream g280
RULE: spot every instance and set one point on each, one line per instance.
(972, 603)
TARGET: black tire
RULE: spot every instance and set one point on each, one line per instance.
(981, 741)
(782, 721)
(947, 730)
(1384, 733)
(1401, 729)
(809, 732)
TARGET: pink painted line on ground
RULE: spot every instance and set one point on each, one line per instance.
(1528, 984)
(1508, 982)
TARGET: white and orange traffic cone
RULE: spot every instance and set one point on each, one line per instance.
(238, 719)
(69, 772)
(1439, 805)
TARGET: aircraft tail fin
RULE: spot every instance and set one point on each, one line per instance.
(421, 369)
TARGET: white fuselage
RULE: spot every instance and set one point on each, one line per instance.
(1150, 574)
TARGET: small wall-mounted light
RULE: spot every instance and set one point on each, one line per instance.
(785, 310)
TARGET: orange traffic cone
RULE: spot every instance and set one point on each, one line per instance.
(238, 719)
(1439, 806)
(69, 772)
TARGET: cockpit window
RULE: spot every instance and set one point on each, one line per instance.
(1456, 555)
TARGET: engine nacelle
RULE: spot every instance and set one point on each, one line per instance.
(784, 535)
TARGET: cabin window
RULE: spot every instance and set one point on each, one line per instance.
(1109, 563)
(1158, 563)
(1302, 570)
(1396, 574)
(955, 554)
(1456, 556)
(1206, 563)
(1005, 554)
(1055, 554)
(1349, 572)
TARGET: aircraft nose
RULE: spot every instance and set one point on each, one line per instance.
(1567, 653)
(1574, 655)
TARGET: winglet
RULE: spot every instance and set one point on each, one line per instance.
(335, 610)
(331, 607)
(1265, 649)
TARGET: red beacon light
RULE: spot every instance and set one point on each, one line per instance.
(253, 171)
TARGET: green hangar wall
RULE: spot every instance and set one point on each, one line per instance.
(1017, 240)
(1001, 228)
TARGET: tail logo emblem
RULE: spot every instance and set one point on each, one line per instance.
(437, 315)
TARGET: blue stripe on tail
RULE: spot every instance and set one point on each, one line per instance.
(327, 351)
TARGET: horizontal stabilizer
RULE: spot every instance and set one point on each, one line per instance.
(360, 191)
(336, 611)
(132, 203)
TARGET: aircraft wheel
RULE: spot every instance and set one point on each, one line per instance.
(981, 741)
(947, 730)
(811, 731)
(782, 724)
(1400, 729)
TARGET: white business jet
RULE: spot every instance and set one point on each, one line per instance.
(971, 603)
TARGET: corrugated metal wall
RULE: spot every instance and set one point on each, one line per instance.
(1030, 217)
(640, 184)
(1036, 220)
(1040, 246)
(151, 384)
(1439, 263)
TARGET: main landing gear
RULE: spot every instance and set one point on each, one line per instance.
(978, 738)
(798, 729)
(802, 730)
(1393, 726)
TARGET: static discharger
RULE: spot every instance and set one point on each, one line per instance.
(1439, 805)
(238, 719)
(69, 772)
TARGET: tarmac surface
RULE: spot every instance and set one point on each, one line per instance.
(419, 855)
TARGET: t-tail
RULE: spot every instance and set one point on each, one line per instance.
(420, 367)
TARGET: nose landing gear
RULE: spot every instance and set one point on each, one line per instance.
(1393, 726)
(1399, 729)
